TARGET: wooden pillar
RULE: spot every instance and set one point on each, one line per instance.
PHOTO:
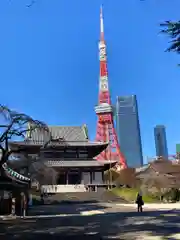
(67, 177)
(90, 177)
(102, 173)
(24, 207)
(25, 154)
(80, 176)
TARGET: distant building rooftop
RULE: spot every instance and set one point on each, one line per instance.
(159, 126)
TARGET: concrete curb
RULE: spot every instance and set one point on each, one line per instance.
(8, 217)
(161, 206)
(83, 213)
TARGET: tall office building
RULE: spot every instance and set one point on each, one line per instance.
(160, 141)
(178, 148)
(128, 130)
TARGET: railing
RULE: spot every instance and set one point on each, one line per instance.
(63, 188)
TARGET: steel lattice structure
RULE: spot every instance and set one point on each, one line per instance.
(104, 110)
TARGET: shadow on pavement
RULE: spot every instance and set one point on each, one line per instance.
(64, 209)
(124, 225)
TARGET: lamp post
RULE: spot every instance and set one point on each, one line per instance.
(110, 176)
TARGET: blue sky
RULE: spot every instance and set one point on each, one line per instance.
(50, 67)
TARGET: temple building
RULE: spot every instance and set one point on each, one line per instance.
(12, 186)
(70, 153)
(161, 173)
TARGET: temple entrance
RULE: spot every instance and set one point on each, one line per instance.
(70, 178)
(74, 178)
(61, 179)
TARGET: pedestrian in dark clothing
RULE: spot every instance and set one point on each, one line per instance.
(139, 202)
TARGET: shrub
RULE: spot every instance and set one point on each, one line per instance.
(124, 177)
(130, 195)
(172, 195)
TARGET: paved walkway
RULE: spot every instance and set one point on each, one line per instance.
(52, 211)
(158, 206)
(72, 210)
(100, 221)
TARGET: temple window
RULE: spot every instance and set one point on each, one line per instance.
(53, 154)
(70, 153)
(33, 156)
(83, 154)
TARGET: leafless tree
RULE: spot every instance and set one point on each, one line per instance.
(160, 182)
(42, 174)
(13, 125)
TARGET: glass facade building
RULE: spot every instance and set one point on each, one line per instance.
(160, 141)
(178, 148)
(128, 130)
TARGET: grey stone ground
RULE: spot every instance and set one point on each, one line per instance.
(108, 222)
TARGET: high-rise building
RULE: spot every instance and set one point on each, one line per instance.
(160, 141)
(178, 148)
(128, 130)
(178, 151)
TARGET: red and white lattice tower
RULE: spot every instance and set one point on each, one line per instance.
(104, 110)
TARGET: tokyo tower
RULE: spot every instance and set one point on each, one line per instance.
(104, 110)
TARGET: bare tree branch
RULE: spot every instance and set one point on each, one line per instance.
(15, 124)
(43, 174)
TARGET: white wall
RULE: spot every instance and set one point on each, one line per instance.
(85, 178)
(63, 188)
(98, 178)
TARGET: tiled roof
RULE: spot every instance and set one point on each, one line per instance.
(14, 175)
(165, 166)
(61, 136)
(148, 172)
(10, 173)
(159, 167)
(67, 133)
(142, 169)
(60, 143)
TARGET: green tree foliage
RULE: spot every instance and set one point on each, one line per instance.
(172, 29)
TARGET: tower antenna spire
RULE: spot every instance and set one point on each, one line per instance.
(105, 126)
(101, 24)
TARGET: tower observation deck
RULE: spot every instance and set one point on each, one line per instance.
(104, 110)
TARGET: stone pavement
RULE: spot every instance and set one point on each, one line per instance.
(47, 211)
(100, 221)
(158, 206)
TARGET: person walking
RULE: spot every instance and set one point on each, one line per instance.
(139, 202)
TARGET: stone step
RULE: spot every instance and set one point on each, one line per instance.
(110, 197)
(99, 196)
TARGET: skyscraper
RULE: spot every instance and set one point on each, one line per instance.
(160, 141)
(128, 130)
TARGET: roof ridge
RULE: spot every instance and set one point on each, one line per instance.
(64, 126)
(67, 132)
(85, 131)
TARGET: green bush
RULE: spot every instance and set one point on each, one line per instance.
(111, 175)
(130, 195)
(173, 195)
